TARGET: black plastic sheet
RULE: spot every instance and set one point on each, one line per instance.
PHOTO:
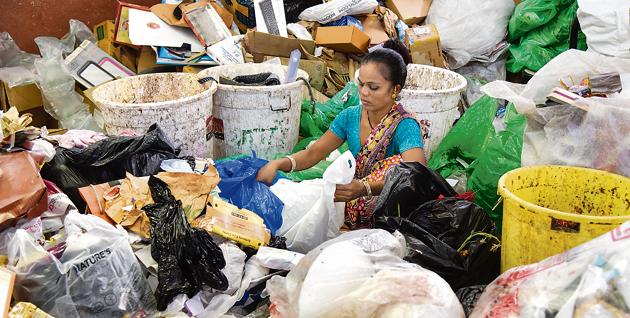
(187, 258)
(407, 186)
(468, 297)
(108, 160)
(452, 237)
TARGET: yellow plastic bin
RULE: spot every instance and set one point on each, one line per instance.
(550, 209)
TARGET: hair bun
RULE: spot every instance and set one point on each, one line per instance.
(398, 47)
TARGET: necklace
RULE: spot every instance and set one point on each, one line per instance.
(369, 121)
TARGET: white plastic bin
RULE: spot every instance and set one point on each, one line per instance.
(265, 119)
(433, 94)
(175, 101)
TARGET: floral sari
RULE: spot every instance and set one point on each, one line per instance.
(373, 166)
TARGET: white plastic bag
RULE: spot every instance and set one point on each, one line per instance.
(470, 28)
(591, 280)
(572, 64)
(361, 274)
(97, 275)
(606, 24)
(274, 258)
(310, 215)
(335, 9)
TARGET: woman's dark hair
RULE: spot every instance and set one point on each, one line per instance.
(393, 58)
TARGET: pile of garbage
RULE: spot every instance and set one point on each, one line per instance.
(127, 191)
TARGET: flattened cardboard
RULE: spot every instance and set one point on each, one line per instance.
(262, 44)
(410, 11)
(345, 39)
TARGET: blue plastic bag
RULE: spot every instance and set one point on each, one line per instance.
(239, 187)
(346, 20)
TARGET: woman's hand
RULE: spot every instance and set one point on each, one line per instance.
(267, 173)
(349, 192)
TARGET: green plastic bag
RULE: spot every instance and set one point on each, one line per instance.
(501, 155)
(467, 139)
(315, 121)
(556, 31)
(531, 14)
(473, 146)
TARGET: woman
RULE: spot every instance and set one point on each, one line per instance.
(380, 134)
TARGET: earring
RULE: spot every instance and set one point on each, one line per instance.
(394, 96)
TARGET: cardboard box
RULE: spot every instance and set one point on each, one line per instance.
(374, 29)
(146, 63)
(316, 71)
(424, 45)
(410, 11)
(23, 97)
(262, 44)
(42, 118)
(345, 39)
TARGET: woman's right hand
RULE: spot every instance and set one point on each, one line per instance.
(268, 172)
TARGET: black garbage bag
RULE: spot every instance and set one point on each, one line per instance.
(468, 297)
(108, 160)
(452, 237)
(293, 8)
(187, 257)
(260, 79)
(407, 186)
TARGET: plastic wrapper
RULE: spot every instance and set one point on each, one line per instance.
(407, 186)
(239, 186)
(606, 26)
(108, 160)
(95, 273)
(187, 258)
(590, 280)
(335, 9)
(310, 215)
(453, 238)
(275, 258)
(361, 274)
(470, 28)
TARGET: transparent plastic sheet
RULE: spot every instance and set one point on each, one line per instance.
(571, 64)
(16, 66)
(591, 280)
(310, 215)
(335, 9)
(61, 100)
(97, 275)
(478, 74)
(606, 26)
(470, 28)
(361, 274)
(598, 138)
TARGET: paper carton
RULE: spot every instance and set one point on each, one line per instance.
(424, 46)
(410, 11)
(262, 44)
(345, 39)
(23, 97)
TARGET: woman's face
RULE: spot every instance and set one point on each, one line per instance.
(375, 91)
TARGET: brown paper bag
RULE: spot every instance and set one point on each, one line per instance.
(23, 190)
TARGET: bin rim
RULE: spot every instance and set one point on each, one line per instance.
(207, 91)
(504, 192)
(457, 89)
(272, 88)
